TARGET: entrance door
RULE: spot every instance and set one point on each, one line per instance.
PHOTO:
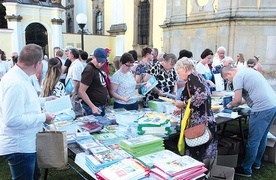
(37, 34)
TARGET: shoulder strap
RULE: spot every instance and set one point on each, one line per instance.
(91, 64)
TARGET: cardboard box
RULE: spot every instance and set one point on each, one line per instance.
(228, 160)
(270, 152)
(221, 172)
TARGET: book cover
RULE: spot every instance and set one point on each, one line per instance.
(151, 83)
(108, 157)
(141, 141)
(124, 170)
(164, 155)
(87, 143)
(92, 127)
(176, 166)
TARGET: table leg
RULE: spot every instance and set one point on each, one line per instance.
(46, 173)
(242, 135)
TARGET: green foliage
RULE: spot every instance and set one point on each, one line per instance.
(3, 21)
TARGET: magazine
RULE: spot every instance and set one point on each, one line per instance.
(151, 83)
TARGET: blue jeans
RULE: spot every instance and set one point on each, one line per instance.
(259, 124)
(133, 106)
(88, 110)
(23, 166)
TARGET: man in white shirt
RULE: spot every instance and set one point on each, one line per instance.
(20, 115)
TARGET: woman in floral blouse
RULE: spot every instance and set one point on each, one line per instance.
(200, 108)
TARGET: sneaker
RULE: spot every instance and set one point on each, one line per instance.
(256, 167)
(240, 172)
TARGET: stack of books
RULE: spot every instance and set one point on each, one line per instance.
(142, 145)
(69, 126)
(91, 127)
(87, 143)
(101, 158)
(154, 123)
(116, 147)
(124, 170)
(184, 168)
(107, 138)
(150, 159)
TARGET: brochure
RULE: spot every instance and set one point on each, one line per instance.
(151, 83)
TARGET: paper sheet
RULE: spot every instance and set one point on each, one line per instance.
(59, 105)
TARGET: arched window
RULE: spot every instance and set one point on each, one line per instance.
(143, 22)
(99, 23)
(36, 33)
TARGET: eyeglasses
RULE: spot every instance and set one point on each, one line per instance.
(250, 66)
(128, 65)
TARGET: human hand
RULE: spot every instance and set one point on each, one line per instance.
(96, 110)
(50, 98)
(177, 112)
(49, 117)
(179, 104)
(126, 99)
(229, 106)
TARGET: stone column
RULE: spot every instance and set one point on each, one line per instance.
(14, 22)
(57, 32)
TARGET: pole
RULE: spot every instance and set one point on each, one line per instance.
(82, 32)
(82, 41)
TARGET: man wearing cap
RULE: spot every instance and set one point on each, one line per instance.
(93, 89)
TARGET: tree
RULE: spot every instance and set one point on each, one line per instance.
(3, 21)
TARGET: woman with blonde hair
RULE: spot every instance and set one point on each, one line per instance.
(240, 61)
(51, 84)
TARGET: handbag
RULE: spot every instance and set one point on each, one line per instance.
(51, 149)
(199, 134)
(69, 86)
(77, 106)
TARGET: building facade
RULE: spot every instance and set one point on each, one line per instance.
(241, 26)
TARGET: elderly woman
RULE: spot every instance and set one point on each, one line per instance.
(200, 108)
(166, 77)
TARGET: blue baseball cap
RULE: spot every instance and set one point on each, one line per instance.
(100, 54)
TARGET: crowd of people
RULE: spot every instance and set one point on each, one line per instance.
(32, 73)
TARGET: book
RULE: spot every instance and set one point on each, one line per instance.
(107, 138)
(150, 159)
(151, 83)
(124, 170)
(173, 167)
(141, 141)
(87, 143)
(91, 127)
(58, 105)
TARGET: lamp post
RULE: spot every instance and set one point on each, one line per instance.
(81, 20)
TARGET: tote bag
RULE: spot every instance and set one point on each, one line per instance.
(51, 149)
(184, 122)
(69, 87)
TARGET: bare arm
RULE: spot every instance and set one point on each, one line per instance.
(237, 99)
(85, 98)
(113, 92)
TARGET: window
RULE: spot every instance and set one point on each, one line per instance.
(99, 23)
(143, 22)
